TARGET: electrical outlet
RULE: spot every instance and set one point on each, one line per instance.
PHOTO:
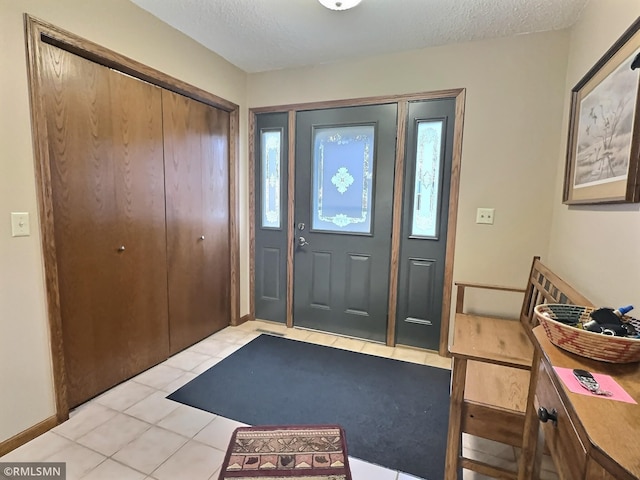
(20, 224)
(485, 215)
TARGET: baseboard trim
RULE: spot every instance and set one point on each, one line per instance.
(27, 435)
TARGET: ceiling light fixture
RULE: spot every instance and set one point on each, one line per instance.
(339, 4)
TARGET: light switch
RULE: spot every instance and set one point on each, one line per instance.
(485, 215)
(20, 224)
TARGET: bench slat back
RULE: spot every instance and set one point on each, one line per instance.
(544, 286)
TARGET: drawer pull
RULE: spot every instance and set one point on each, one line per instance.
(544, 415)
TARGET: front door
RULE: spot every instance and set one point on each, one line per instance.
(343, 215)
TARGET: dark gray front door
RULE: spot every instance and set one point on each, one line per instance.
(427, 178)
(343, 213)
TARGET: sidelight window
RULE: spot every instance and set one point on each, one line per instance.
(270, 161)
(426, 187)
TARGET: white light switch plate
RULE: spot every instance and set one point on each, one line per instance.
(20, 224)
(485, 215)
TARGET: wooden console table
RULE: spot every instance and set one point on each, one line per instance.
(593, 438)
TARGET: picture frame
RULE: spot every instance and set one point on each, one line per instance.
(603, 147)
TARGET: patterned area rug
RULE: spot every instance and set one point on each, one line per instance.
(304, 452)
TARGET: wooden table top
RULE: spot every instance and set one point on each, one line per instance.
(611, 428)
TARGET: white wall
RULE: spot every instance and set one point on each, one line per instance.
(25, 358)
(515, 92)
(596, 248)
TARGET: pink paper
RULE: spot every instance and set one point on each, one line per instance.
(606, 383)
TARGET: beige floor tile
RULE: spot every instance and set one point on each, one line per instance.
(495, 449)
(547, 464)
(180, 382)
(206, 365)
(297, 334)
(194, 461)
(232, 335)
(114, 434)
(216, 475)
(469, 475)
(349, 344)
(409, 355)
(215, 348)
(150, 450)
(491, 460)
(110, 470)
(405, 476)
(210, 346)
(368, 471)
(88, 417)
(435, 360)
(548, 475)
(153, 408)
(218, 433)
(321, 338)
(124, 395)
(158, 376)
(76, 410)
(378, 349)
(186, 360)
(187, 421)
(38, 449)
(249, 336)
(272, 327)
(79, 460)
(250, 326)
(225, 352)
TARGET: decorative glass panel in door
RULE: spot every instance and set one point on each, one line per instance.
(426, 186)
(343, 206)
(343, 166)
(270, 152)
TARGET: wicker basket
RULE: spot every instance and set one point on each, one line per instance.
(557, 320)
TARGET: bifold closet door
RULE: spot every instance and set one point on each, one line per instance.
(196, 148)
(107, 182)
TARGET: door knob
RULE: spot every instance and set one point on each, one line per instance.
(201, 237)
(121, 248)
(302, 242)
(545, 415)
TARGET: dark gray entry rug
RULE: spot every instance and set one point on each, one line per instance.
(394, 413)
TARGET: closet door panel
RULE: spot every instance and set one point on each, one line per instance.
(94, 139)
(183, 186)
(196, 185)
(82, 182)
(215, 187)
(139, 183)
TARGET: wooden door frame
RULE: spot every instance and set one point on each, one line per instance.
(38, 32)
(402, 102)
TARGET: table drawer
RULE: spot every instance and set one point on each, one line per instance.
(567, 450)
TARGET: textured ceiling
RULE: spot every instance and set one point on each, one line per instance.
(261, 35)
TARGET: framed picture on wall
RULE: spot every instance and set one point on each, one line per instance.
(603, 151)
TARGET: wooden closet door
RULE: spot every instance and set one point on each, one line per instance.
(196, 147)
(106, 161)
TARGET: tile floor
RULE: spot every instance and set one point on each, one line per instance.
(132, 432)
